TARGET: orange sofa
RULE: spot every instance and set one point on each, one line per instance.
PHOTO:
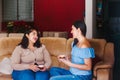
(103, 50)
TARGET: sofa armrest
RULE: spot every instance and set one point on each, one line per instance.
(101, 66)
(103, 74)
(103, 69)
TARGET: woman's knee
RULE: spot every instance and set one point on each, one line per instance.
(53, 78)
(42, 75)
(56, 78)
(27, 75)
(23, 75)
(55, 69)
(65, 77)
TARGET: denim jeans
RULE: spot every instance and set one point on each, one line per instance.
(63, 74)
(30, 75)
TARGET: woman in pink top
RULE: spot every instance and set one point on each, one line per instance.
(30, 59)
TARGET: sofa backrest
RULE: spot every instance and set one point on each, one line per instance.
(55, 46)
(15, 34)
(109, 53)
(3, 35)
(7, 45)
(99, 47)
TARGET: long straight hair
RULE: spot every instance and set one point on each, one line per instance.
(80, 24)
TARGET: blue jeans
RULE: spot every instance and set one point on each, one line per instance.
(30, 75)
(63, 74)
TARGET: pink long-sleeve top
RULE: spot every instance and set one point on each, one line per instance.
(21, 58)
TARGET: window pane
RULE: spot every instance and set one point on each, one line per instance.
(25, 10)
(9, 10)
(18, 10)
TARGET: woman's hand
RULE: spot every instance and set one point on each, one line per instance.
(64, 59)
(43, 69)
(34, 68)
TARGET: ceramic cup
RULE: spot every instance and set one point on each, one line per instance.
(40, 66)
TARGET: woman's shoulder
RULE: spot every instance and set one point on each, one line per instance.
(42, 46)
(85, 44)
(18, 47)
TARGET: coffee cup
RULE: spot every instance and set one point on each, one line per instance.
(40, 66)
(62, 57)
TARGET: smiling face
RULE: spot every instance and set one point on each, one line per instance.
(32, 36)
(74, 31)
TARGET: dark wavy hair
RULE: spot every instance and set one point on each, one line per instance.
(25, 42)
(80, 24)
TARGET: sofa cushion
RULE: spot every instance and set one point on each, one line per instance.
(55, 47)
(5, 66)
(99, 46)
(7, 46)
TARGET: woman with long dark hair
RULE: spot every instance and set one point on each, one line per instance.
(81, 54)
(29, 56)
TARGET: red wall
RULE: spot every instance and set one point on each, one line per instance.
(57, 15)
